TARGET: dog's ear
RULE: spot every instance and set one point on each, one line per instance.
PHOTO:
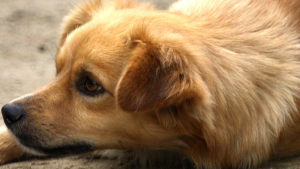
(158, 75)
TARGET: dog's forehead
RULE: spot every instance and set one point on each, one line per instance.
(95, 51)
(91, 43)
(91, 38)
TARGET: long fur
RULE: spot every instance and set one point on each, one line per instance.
(216, 81)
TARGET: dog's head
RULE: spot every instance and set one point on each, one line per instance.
(122, 81)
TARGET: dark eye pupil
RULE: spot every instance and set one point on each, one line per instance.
(91, 85)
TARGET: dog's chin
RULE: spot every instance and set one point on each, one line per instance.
(76, 148)
(41, 147)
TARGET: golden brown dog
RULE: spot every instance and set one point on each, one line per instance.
(215, 80)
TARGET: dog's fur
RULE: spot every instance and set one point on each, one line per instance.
(215, 80)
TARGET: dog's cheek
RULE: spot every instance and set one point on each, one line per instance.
(91, 116)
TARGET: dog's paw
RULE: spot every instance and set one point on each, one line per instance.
(9, 149)
(3, 158)
(111, 153)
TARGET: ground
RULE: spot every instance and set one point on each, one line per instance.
(29, 32)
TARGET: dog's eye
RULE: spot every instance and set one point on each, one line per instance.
(90, 87)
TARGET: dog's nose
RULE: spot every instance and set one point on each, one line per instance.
(12, 113)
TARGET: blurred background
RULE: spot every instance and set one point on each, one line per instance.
(29, 32)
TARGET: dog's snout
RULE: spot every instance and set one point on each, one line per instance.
(12, 113)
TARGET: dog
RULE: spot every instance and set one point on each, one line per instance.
(213, 81)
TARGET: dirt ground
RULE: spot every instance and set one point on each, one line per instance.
(29, 32)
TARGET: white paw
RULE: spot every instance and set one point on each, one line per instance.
(111, 153)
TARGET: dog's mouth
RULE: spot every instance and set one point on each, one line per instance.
(66, 147)
(47, 142)
(76, 148)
